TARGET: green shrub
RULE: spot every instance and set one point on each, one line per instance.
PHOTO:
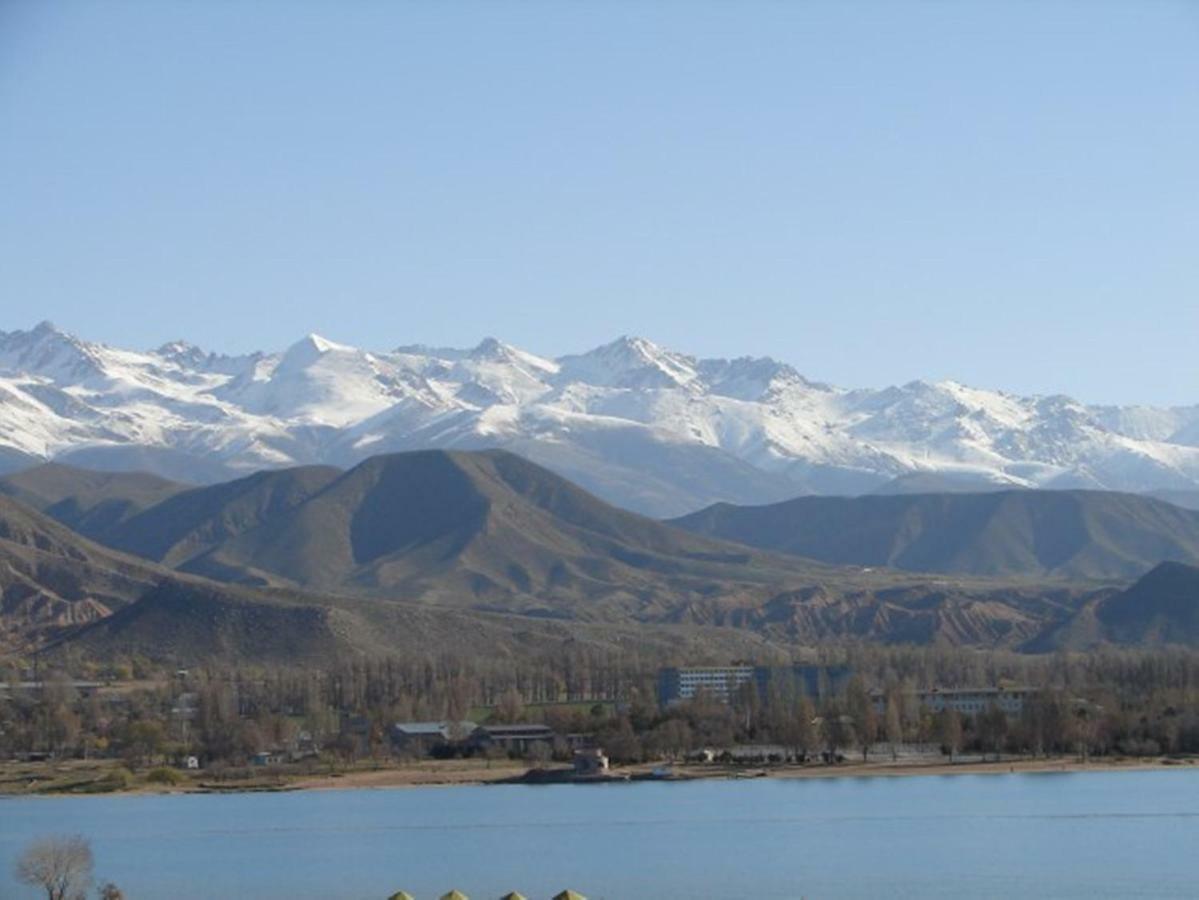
(114, 780)
(165, 775)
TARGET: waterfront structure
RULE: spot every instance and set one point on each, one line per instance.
(677, 684)
(590, 762)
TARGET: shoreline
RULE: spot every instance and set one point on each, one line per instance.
(464, 773)
(398, 779)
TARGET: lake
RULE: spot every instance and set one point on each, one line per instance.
(1095, 834)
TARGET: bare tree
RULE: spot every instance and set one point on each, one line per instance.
(110, 891)
(510, 708)
(61, 865)
(951, 731)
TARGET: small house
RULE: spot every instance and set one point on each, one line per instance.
(515, 739)
(423, 738)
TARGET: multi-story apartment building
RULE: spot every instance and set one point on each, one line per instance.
(722, 682)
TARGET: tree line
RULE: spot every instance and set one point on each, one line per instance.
(1131, 702)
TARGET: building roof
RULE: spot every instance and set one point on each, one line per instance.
(516, 730)
(429, 729)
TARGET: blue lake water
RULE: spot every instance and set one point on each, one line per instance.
(1103, 834)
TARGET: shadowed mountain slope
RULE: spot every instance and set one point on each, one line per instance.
(1185, 499)
(190, 523)
(492, 533)
(1070, 534)
(166, 462)
(1158, 609)
(201, 621)
(93, 503)
(1162, 607)
(51, 578)
(58, 589)
(479, 529)
(13, 460)
(452, 549)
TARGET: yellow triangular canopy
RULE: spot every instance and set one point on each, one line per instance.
(401, 895)
(454, 895)
(513, 895)
(569, 895)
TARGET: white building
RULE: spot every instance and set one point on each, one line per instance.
(720, 682)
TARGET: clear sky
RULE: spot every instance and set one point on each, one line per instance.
(1002, 193)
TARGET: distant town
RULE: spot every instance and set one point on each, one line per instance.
(587, 720)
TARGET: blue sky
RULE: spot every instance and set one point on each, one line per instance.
(1002, 193)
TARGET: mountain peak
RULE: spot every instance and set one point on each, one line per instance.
(634, 346)
(647, 426)
(630, 362)
(491, 348)
(320, 344)
(308, 349)
(45, 328)
(48, 351)
(43, 332)
(176, 346)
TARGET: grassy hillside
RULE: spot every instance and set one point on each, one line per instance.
(52, 579)
(1065, 534)
(93, 503)
(189, 524)
(487, 528)
(485, 549)
(1160, 608)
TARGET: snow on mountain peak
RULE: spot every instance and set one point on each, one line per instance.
(46, 327)
(312, 346)
(631, 363)
(178, 347)
(48, 352)
(490, 348)
(312, 350)
(641, 421)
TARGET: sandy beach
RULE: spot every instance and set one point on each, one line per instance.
(77, 777)
(460, 772)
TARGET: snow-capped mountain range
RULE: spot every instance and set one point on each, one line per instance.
(647, 428)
